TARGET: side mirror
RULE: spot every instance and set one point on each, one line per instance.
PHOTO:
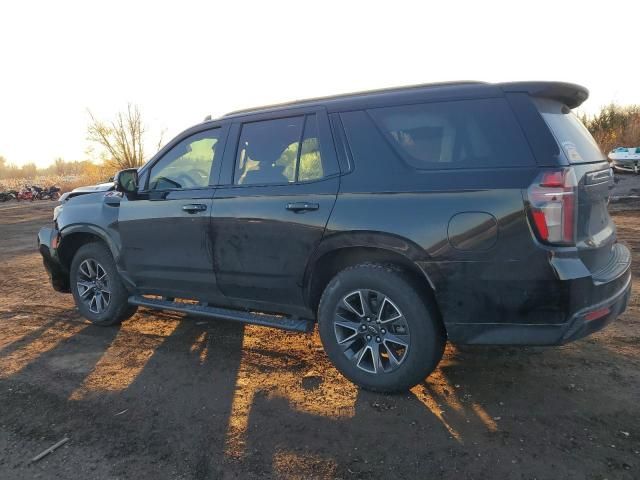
(127, 180)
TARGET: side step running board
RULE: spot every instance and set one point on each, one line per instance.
(285, 323)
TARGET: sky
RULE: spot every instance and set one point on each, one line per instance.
(182, 60)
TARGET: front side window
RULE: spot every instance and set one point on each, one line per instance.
(188, 164)
(277, 152)
(460, 134)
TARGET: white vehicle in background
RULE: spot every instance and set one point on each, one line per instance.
(625, 159)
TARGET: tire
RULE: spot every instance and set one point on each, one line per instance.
(353, 352)
(93, 274)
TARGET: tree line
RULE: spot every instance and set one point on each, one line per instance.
(29, 170)
(615, 126)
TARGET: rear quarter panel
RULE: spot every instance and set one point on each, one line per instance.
(503, 281)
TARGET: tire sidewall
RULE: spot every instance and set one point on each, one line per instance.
(119, 297)
(426, 336)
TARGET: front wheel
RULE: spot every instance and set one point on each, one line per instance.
(378, 329)
(97, 288)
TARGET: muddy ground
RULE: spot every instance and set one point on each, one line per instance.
(166, 396)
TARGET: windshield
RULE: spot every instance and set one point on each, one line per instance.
(572, 136)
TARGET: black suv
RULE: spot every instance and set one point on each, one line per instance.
(396, 219)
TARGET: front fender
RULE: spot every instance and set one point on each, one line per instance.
(94, 230)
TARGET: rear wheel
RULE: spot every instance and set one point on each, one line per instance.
(97, 288)
(378, 329)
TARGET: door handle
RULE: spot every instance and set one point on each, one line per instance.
(194, 207)
(302, 206)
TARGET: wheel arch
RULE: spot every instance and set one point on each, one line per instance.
(75, 236)
(342, 251)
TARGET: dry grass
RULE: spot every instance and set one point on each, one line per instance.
(65, 182)
(615, 126)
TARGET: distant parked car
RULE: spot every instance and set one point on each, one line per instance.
(395, 219)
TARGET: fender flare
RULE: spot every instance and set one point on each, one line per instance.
(93, 230)
(396, 244)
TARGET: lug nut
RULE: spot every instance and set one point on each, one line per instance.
(368, 319)
(383, 331)
(368, 337)
(378, 339)
(363, 327)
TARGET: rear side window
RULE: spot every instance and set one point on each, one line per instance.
(280, 151)
(461, 134)
(575, 140)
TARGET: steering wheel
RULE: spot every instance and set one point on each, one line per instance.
(204, 176)
(191, 176)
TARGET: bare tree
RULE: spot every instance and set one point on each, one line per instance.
(122, 139)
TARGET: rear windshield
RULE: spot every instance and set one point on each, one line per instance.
(576, 141)
(459, 134)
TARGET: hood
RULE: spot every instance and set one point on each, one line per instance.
(100, 187)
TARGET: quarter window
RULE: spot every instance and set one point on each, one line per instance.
(462, 134)
(188, 164)
(277, 152)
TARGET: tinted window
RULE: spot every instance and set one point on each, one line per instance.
(186, 165)
(461, 134)
(572, 136)
(277, 152)
(310, 159)
(268, 151)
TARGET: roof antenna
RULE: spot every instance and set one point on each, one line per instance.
(207, 118)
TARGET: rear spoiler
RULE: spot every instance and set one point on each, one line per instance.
(570, 94)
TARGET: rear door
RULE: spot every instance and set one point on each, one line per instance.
(165, 228)
(281, 179)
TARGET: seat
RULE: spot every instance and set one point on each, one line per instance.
(266, 152)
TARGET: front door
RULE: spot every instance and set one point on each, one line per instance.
(165, 228)
(268, 222)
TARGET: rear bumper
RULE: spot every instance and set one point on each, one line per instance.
(602, 298)
(48, 239)
(598, 316)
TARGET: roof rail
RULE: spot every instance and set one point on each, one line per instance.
(348, 95)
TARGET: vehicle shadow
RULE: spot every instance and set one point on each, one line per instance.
(181, 400)
(162, 394)
(482, 405)
(61, 349)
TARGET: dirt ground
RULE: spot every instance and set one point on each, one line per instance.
(167, 396)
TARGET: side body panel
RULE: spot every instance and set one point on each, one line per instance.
(495, 273)
(260, 242)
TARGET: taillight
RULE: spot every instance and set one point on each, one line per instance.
(552, 203)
